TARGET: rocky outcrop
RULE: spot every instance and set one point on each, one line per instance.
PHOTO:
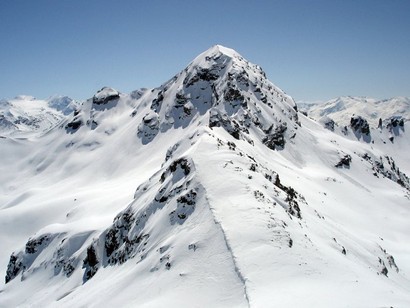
(105, 95)
(360, 128)
(395, 125)
(344, 162)
(218, 119)
(360, 125)
(387, 167)
(21, 261)
(149, 128)
(276, 139)
(75, 123)
(90, 263)
(328, 123)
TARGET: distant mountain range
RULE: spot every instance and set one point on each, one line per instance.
(341, 109)
(211, 190)
(27, 115)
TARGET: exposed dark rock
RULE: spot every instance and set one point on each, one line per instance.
(157, 102)
(90, 263)
(392, 263)
(359, 124)
(180, 99)
(390, 171)
(149, 128)
(217, 119)
(366, 157)
(183, 163)
(185, 207)
(291, 196)
(171, 151)
(105, 95)
(188, 199)
(344, 161)
(233, 94)
(68, 268)
(193, 247)
(329, 124)
(276, 140)
(111, 241)
(202, 74)
(73, 126)
(62, 263)
(33, 245)
(119, 243)
(395, 125)
(384, 271)
(14, 267)
(396, 121)
(294, 208)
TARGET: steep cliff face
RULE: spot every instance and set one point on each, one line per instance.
(209, 189)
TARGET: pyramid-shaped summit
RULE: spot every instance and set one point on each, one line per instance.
(210, 190)
(221, 88)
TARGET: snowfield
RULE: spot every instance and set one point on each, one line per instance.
(211, 190)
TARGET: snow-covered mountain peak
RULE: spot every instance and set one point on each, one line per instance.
(208, 190)
(221, 60)
(215, 52)
(218, 88)
(221, 88)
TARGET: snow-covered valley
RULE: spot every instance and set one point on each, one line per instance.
(211, 190)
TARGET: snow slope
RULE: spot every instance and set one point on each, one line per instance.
(211, 190)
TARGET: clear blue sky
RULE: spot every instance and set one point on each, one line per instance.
(313, 50)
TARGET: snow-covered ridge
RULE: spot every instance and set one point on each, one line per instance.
(210, 190)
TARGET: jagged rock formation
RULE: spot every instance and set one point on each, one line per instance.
(360, 128)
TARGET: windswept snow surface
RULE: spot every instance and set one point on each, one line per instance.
(208, 191)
